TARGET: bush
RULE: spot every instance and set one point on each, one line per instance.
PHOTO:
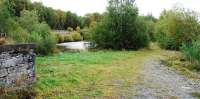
(86, 33)
(49, 45)
(142, 37)
(191, 51)
(121, 28)
(28, 20)
(78, 29)
(68, 38)
(60, 38)
(175, 27)
(19, 35)
(2, 41)
(69, 29)
(77, 36)
(45, 45)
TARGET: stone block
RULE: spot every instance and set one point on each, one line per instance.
(3, 72)
(15, 62)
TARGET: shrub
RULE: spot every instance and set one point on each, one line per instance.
(70, 29)
(78, 29)
(151, 30)
(60, 38)
(45, 45)
(19, 35)
(2, 41)
(39, 33)
(191, 51)
(49, 45)
(68, 38)
(87, 34)
(142, 37)
(175, 27)
(77, 36)
(28, 20)
(121, 28)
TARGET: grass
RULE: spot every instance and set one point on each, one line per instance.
(85, 74)
(99, 74)
(197, 95)
(88, 74)
(182, 65)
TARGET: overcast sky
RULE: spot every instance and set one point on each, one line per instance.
(155, 7)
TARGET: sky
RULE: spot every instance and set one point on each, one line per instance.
(154, 7)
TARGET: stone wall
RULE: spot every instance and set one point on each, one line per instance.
(17, 65)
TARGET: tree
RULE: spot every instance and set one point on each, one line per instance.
(28, 19)
(91, 18)
(120, 28)
(72, 20)
(16, 6)
(4, 16)
(177, 26)
(150, 22)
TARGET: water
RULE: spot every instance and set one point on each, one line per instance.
(82, 45)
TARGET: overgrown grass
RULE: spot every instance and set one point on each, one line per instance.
(197, 95)
(182, 65)
(87, 74)
(76, 75)
(96, 74)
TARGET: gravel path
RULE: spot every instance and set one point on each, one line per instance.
(161, 82)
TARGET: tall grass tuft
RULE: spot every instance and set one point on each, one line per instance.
(192, 53)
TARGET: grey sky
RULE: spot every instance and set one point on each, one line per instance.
(155, 7)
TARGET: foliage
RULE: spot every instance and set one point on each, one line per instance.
(76, 36)
(86, 33)
(4, 17)
(68, 38)
(40, 33)
(78, 29)
(2, 41)
(45, 45)
(196, 94)
(175, 27)
(142, 37)
(150, 22)
(60, 38)
(28, 20)
(69, 29)
(57, 19)
(121, 28)
(191, 51)
(19, 35)
(90, 19)
(16, 6)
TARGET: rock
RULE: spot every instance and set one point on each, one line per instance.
(3, 72)
(16, 61)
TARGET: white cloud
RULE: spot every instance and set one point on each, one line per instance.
(82, 7)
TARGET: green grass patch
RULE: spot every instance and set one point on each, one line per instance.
(86, 74)
(197, 95)
(90, 74)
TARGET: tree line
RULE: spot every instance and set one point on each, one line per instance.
(27, 22)
(123, 28)
(120, 27)
(56, 19)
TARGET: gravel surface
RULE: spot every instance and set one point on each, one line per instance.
(158, 81)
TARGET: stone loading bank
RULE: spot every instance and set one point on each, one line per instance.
(17, 65)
